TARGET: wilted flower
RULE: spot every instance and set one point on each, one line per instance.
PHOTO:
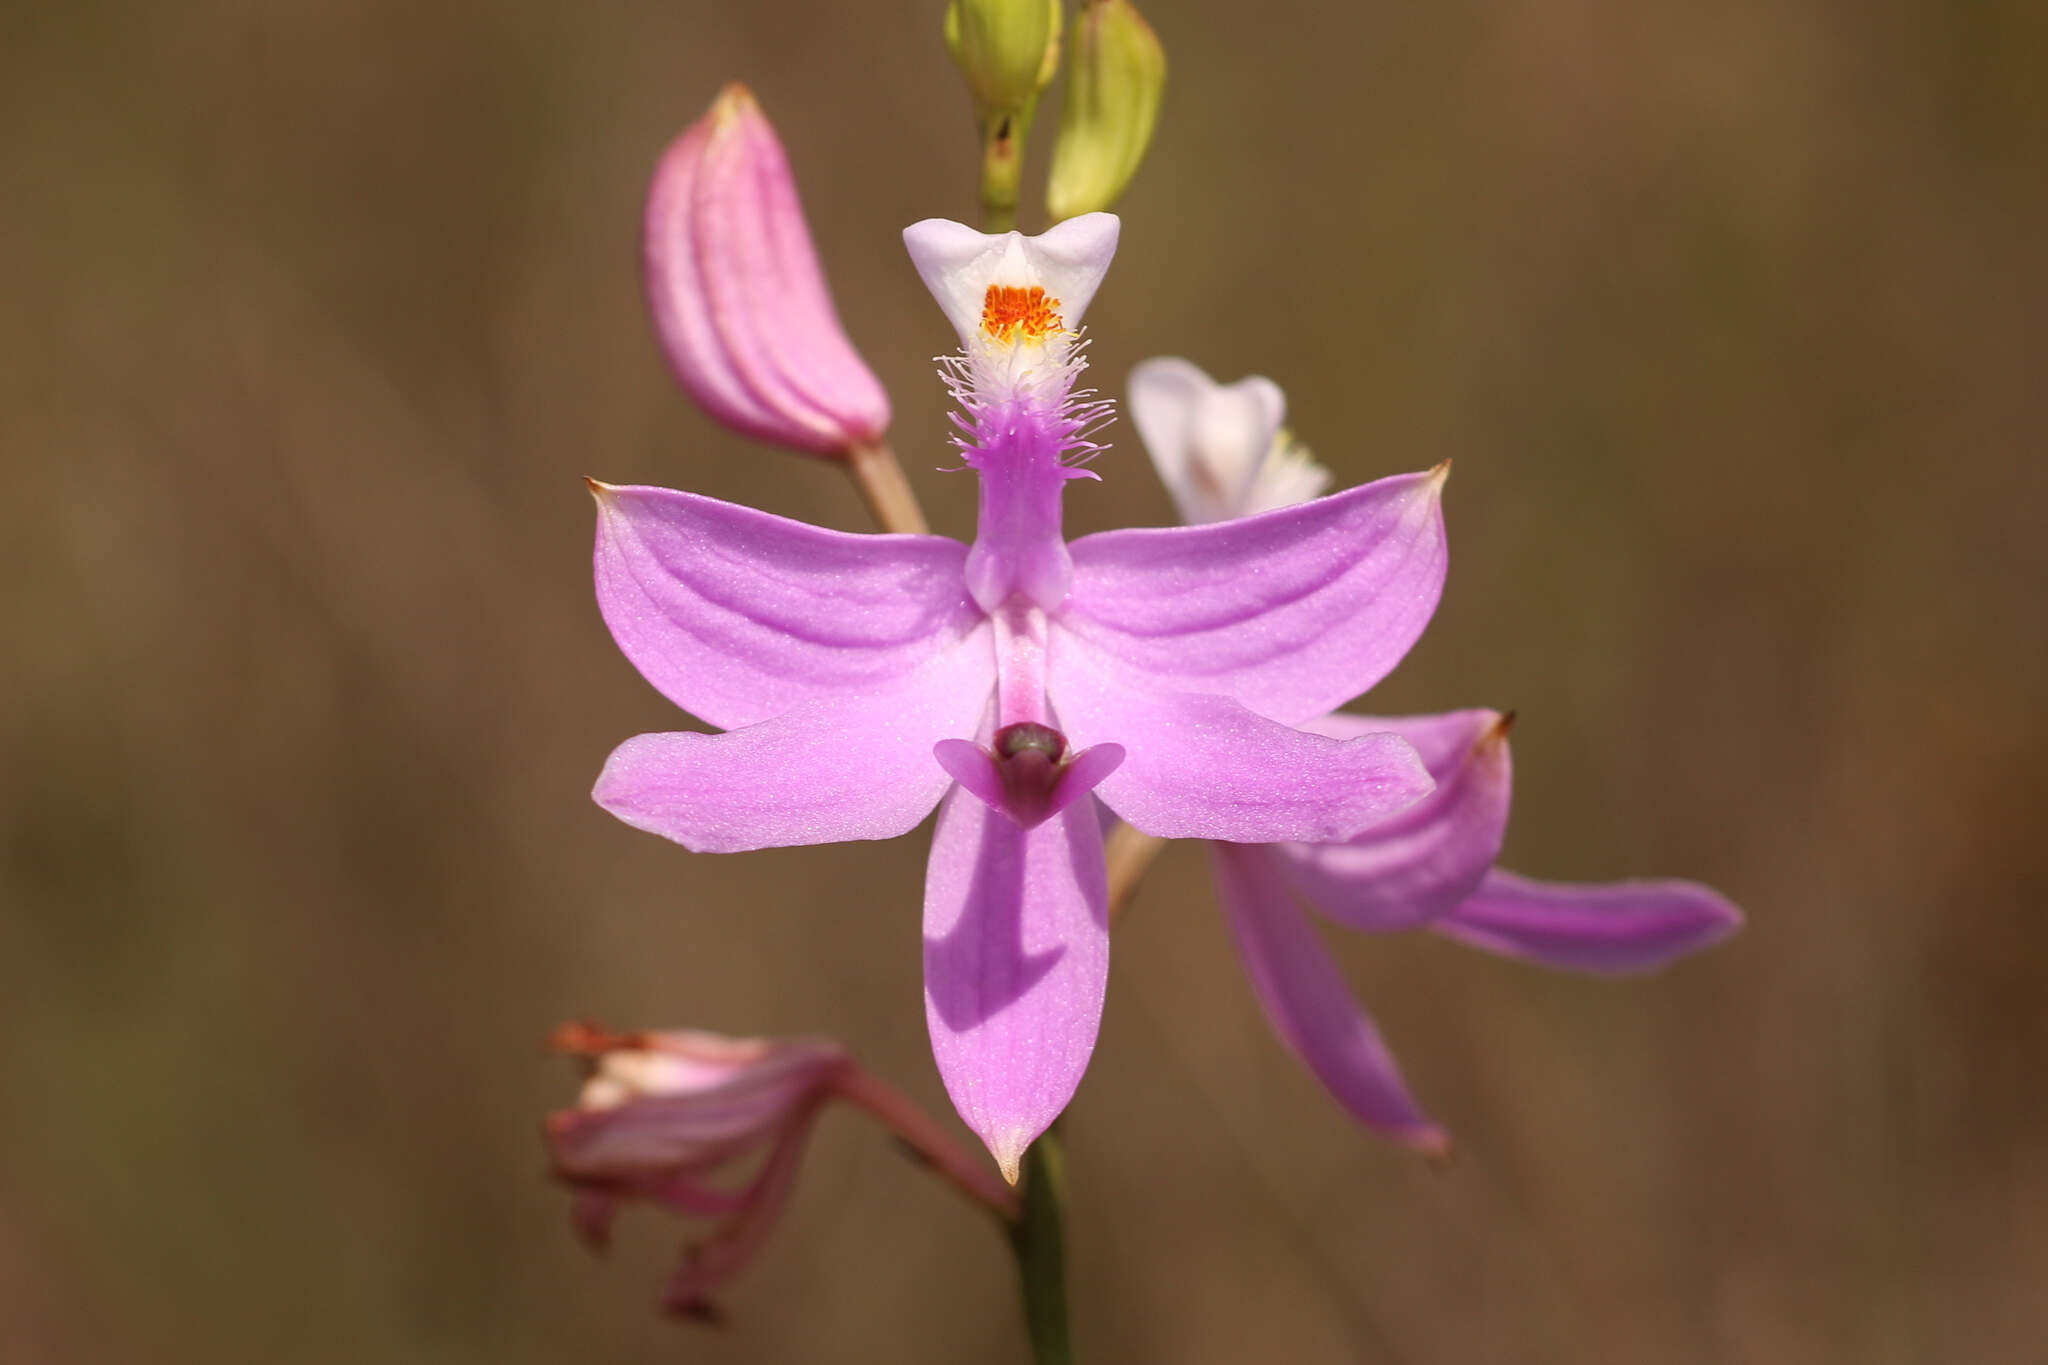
(739, 299)
(861, 679)
(1430, 866)
(714, 1127)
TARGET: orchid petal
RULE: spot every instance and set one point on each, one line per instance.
(618, 1142)
(973, 768)
(1291, 613)
(1219, 448)
(1287, 475)
(1207, 440)
(591, 1213)
(737, 1241)
(1424, 862)
(677, 293)
(1016, 962)
(1205, 767)
(1087, 771)
(736, 615)
(658, 1062)
(1034, 799)
(695, 1197)
(959, 264)
(1308, 1002)
(823, 772)
(739, 300)
(1612, 928)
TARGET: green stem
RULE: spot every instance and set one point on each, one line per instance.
(1002, 165)
(1039, 1240)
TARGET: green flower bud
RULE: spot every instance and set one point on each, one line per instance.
(1113, 89)
(1007, 49)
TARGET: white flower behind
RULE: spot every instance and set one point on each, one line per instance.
(1220, 449)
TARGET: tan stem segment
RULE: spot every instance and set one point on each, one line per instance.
(923, 1136)
(1129, 854)
(881, 482)
(1002, 165)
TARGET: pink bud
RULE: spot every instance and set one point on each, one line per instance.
(738, 296)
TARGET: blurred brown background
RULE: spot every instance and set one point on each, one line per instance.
(315, 313)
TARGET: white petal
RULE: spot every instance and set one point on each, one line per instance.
(1161, 395)
(959, 264)
(1289, 475)
(1208, 440)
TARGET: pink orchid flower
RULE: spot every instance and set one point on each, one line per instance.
(861, 680)
(1222, 452)
(667, 1118)
(739, 299)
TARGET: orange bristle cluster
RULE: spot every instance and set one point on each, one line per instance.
(1013, 313)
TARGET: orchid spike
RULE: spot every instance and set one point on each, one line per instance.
(1433, 865)
(739, 300)
(861, 680)
(668, 1117)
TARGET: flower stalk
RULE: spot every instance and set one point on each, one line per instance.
(873, 468)
(924, 1139)
(1130, 853)
(1039, 1240)
(1002, 167)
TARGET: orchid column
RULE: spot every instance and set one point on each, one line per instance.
(1016, 915)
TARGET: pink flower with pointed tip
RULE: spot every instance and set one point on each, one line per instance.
(739, 299)
(1222, 453)
(862, 680)
(668, 1117)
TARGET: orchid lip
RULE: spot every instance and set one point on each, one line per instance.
(1029, 773)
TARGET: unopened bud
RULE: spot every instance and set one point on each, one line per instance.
(739, 298)
(1007, 49)
(1114, 84)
